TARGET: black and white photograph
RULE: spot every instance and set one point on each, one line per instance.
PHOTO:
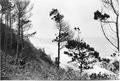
(59, 40)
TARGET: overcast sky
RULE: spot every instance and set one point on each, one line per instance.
(78, 13)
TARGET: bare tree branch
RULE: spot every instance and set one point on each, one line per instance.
(113, 8)
(107, 37)
(108, 22)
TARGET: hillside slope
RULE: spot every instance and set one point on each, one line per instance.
(38, 65)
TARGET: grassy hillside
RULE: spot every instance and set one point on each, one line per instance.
(38, 64)
(33, 70)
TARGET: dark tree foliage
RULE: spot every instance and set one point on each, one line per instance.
(116, 66)
(106, 60)
(80, 52)
(3, 28)
(12, 50)
(100, 16)
(57, 16)
(114, 55)
(6, 5)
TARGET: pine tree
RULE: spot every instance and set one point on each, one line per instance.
(64, 33)
(80, 53)
(23, 24)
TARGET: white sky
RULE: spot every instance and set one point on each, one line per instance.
(78, 13)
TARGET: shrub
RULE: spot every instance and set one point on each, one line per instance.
(103, 76)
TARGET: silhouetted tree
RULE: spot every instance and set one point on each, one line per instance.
(108, 23)
(64, 32)
(80, 53)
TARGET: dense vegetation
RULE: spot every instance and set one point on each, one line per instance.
(21, 60)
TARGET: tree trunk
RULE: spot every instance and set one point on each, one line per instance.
(0, 45)
(22, 42)
(18, 40)
(81, 70)
(59, 46)
(6, 30)
(0, 30)
(17, 53)
(81, 63)
(58, 54)
(10, 33)
(117, 34)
